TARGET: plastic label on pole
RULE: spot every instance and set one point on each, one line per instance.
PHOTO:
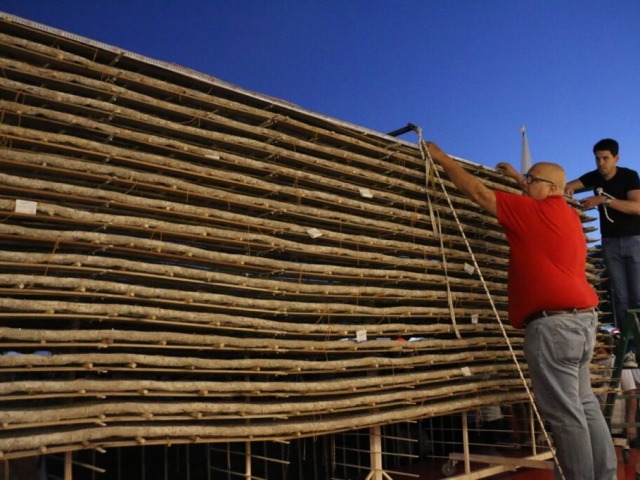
(361, 336)
(26, 206)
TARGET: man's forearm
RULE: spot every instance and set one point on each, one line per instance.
(508, 170)
(468, 184)
(463, 180)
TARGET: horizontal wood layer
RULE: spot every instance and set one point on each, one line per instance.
(182, 261)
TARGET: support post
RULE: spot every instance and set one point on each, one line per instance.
(68, 465)
(247, 461)
(375, 453)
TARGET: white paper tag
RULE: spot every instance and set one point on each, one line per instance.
(466, 371)
(314, 233)
(474, 318)
(361, 336)
(469, 268)
(26, 206)
(366, 193)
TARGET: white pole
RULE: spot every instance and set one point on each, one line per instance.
(525, 155)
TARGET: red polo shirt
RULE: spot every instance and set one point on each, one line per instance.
(547, 258)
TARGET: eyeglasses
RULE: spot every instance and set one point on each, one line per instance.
(530, 178)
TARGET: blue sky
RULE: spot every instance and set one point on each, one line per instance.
(469, 72)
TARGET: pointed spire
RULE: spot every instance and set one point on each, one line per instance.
(525, 155)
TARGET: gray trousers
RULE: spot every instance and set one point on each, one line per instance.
(558, 350)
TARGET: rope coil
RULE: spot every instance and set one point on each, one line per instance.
(600, 192)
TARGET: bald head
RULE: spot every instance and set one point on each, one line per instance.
(553, 172)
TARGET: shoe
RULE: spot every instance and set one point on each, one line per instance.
(630, 360)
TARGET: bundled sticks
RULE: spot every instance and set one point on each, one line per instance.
(185, 261)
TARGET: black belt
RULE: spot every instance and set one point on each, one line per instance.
(549, 313)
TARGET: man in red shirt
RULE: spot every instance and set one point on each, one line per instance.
(550, 297)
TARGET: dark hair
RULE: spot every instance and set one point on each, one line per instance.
(607, 144)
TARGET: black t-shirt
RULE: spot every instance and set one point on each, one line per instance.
(623, 181)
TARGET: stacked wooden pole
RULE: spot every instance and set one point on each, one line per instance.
(185, 261)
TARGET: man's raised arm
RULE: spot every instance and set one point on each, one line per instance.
(469, 185)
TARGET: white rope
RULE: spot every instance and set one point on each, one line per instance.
(602, 193)
(452, 311)
(423, 147)
(437, 229)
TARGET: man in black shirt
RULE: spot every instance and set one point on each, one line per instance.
(617, 196)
